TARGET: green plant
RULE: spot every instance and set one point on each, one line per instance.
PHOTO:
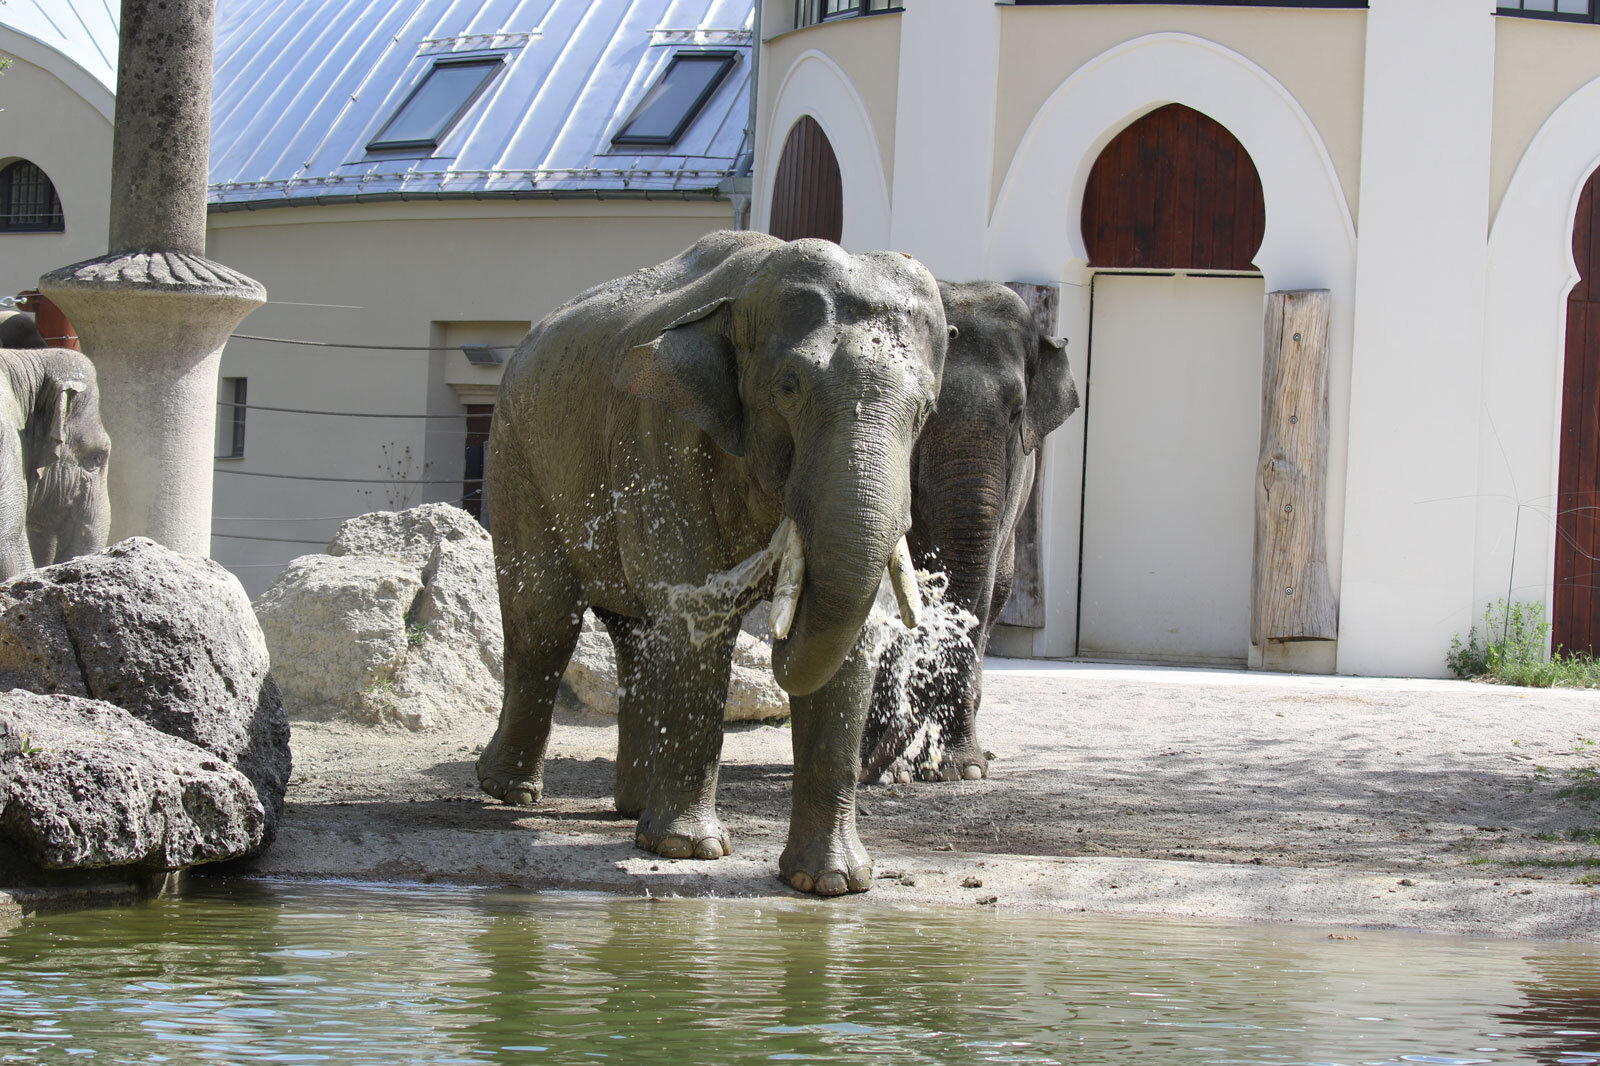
(1585, 784)
(416, 634)
(1511, 650)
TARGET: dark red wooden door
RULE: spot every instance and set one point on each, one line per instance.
(1575, 622)
(807, 193)
(1175, 190)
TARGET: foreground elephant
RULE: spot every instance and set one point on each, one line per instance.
(655, 431)
(54, 503)
(1006, 386)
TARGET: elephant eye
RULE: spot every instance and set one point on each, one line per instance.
(94, 461)
(1016, 414)
(790, 383)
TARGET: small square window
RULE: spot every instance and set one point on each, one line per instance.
(676, 98)
(434, 106)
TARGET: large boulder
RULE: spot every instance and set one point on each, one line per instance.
(85, 785)
(399, 623)
(168, 638)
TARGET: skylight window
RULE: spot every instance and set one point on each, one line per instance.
(434, 106)
(676, 98)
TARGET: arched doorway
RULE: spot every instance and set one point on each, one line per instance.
(1173, 216)
(807, 192)
(1575, 615)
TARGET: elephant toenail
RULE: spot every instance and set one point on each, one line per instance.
(641, 840)
(709, 848)
(674, 847)
(800, 882)
(832, 884)
(973, 772)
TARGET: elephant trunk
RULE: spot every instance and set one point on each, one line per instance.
(960, 525)
(849, 505)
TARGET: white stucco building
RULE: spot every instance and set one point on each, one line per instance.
(1422, 160)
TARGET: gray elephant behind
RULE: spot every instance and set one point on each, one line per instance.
(748, 398)
(54, 499)
(1006, 385)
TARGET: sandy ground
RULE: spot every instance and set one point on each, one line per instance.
(1433, 805)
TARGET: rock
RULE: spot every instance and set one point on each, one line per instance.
(753, 695)
(86, 785)
(168, 638)
(411, 534)
(399, 623)
(336, 628)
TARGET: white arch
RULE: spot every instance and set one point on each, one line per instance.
(816, 86)
(1531, 272)
(1309, 240)
(1035, 232)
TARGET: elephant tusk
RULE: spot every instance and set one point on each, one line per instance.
(791, 572)
(903, 579)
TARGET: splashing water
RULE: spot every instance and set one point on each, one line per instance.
(909, 659)
(710, 607)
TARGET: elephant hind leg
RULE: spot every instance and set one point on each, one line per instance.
(676, 725)
(635, 732)
(541, 610)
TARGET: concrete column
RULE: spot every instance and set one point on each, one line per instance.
(154, 313)
(1415, 385)
(944, 143)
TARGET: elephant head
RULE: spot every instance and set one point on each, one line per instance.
(817, 369)
(65, 454)
(1006, 385)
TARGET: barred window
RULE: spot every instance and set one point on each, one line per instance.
(28, 202)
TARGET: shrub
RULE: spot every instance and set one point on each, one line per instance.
(1512, 651)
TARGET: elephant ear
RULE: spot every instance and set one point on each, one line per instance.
(55, 433)
(692, 369)
(1051, 393)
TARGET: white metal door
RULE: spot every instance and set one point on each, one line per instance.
(1173, 429)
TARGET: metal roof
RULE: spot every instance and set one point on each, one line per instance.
(85, 31)
(302, 87)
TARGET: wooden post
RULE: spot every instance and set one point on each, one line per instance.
(1291, 597)
(1026, 605)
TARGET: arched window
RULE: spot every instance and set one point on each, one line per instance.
(28, 202)
(1175, 190)
(807, 193)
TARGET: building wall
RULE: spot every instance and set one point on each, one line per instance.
(58, 117)
(1537, 64)
(1317, 55)
(843, 74)
(413, 274)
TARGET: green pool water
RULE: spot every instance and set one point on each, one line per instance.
(255, 972)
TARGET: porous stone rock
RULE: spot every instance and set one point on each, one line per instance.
(169, 638)
(86, 785)
(399, 623)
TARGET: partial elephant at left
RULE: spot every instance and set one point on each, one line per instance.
(55, 501)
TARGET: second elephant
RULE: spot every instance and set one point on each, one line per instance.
(1006, 385)
(54, 498)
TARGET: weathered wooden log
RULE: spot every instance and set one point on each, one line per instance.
(1026, 605)
(1291, 596)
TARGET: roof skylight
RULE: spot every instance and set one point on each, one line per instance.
(437, 103)
(676, 98)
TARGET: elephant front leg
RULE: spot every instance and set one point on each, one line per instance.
(677, 717)
(824, 855)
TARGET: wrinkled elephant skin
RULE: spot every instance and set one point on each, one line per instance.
(655, 431)
(1005, 387)
(54, 498)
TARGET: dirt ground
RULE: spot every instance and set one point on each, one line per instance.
(1344, 802)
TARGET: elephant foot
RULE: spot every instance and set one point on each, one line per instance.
(510, 779)
(684, 837)
(964, 763)
(828, 866)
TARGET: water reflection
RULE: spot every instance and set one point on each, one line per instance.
(352, 974)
